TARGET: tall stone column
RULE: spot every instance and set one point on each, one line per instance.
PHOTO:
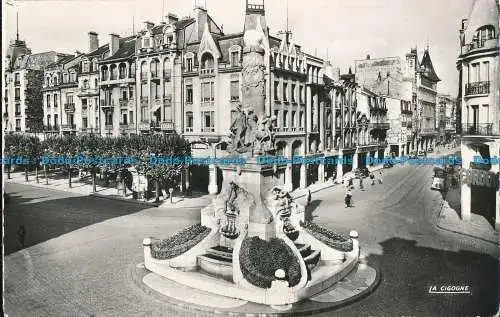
(308, 109)
(321, 173)
(316, 110)
(340, 173)
(465, 199)
(186, 178)
(322, 126)
(288, 177)
(212, 176)
(303, 176)
(355, 160)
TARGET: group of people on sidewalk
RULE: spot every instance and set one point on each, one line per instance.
(349, 186)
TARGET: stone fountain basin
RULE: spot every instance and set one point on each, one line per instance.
(333, 267)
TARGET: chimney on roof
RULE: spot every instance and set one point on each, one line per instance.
(172, 18)
(93, 41)
(114, 43)
(201, 16)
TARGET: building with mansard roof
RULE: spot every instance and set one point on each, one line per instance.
(23, 110)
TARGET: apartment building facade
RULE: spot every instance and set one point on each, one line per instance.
(480, 112)
(23, 105)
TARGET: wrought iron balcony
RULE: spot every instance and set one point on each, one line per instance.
(108, 127)
(167, 126)
(380, 126)
(207, 72)
(69, 107)
(477, 129)
(144, 126)
(477, 88)
(68, 127)
(123, 102)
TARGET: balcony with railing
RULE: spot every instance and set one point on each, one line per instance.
(144, 100)
(167, 126)
(69, 107)
(87, 91)
(380, 125)
(144, 126)
(477, 88)
(68, 127)
(207, 72)
(477, 129)
(123, 102)
(107, 105)
(155, 76)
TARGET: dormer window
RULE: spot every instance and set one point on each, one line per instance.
(146, 42)
(235, 55)
(65, 78)
(72, 77)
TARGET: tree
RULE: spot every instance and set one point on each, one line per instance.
(34, 100)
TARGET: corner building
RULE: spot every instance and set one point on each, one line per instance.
(480, 112)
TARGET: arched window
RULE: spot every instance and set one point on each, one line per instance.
(72, 77)
(131, 72)
(207, 61)
(104, 73)
(122, 70)
(189, 121)
(166, 67)
(144, 70)
(483, 34)
(94, 65)
(47, 81)
(154, 67)
(114, 72)
(85, 84)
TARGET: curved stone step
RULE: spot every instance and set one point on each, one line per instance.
(221, 252)
(312, 259)
(304, 249)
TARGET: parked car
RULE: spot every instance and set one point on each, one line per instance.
(430, 150)
(439, 179)
(413, 154)
(388, 164)
(421, 154)
(361, 172)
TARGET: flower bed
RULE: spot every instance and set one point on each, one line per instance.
(260, 259)
(179, 243)
(334, 240)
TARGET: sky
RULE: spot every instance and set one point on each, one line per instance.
(347, 29)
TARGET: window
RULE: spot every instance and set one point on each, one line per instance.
(301, 119)
(85, 123)
(144, 114)
(285, 119)
(293, 119)
(56, 120)
(131, 92)
(85, 67)
(84, 103)
(48, 120)
(131, 117)
(17, 80)
(17, 93)
(207, 92)
(85, 84)
(189, 121)
(276, 90)
(18, 108)
(65, 78)
(208, 121)
(97, 122)
(144, 90)
(146, 42)
(475, 72)
(124, 118)
(277, 116)
(235, 58)
(285, 92)
(56, 104)
(189, 64)
(486, 71)
(18, 124)
(48, 100)
(293, 93)
(235, 90)
(122, 70)
(155, 90)
(69, 98)
(189, 93)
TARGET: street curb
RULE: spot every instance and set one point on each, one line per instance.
(136, 277)
(438, 225)
(132, 201)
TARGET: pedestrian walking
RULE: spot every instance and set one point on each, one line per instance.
(21, 234)
(361, 182)
(308, 197)
(372, 178)
(380, 177)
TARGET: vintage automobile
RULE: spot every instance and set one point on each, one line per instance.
(439, 179)
(430, 150)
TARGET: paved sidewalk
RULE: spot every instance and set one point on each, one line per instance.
(478, 227)
(84, 189)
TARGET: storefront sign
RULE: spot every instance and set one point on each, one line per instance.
(480, 178)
